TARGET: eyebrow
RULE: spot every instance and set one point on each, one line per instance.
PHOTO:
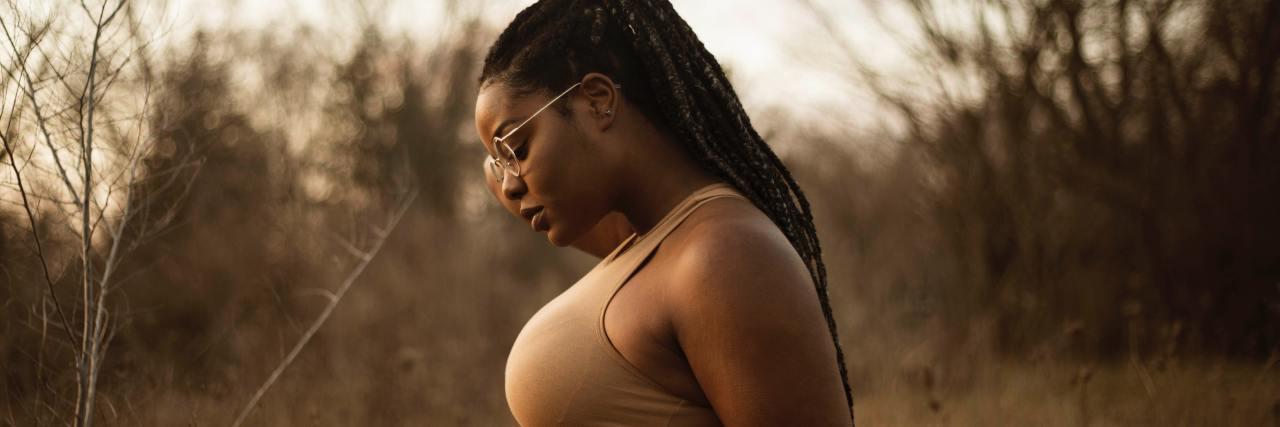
(502, 127)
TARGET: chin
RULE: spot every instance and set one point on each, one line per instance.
(556, 239)
(558, 236)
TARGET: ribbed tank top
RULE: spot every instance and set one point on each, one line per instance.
(564, 370)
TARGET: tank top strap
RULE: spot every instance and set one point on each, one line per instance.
(626, 260)
(639, 245)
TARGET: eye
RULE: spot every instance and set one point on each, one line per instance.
(522, 151)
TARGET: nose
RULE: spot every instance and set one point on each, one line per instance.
(513, 187)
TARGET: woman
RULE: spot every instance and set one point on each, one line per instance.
(607, 120)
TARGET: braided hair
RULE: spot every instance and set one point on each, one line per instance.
(682, 89)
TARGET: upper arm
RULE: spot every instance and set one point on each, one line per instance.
(747, 317)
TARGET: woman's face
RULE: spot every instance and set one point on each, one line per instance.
(564, 182)
(599, 241)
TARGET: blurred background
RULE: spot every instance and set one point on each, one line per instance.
(1060, 212)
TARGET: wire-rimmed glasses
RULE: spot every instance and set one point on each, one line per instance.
(505, 155)
(505, 159)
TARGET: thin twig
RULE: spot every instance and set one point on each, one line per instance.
(328, 310)
(35, 233)
(35, 105)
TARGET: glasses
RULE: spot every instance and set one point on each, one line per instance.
(506, 156)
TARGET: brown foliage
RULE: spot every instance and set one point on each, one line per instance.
(1112, 173)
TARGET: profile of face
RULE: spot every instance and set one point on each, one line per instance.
(599, 241)
(566, 180)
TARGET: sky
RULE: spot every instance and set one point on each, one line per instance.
(780, 55)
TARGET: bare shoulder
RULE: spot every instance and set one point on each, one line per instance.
(746, 315)
(730, 238)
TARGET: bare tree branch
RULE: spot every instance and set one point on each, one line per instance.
(34, 40)
(35, 234)
(328, 310)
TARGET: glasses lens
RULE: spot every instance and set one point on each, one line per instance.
(495, 170)
(507, 158)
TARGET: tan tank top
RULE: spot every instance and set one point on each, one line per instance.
(564, 370)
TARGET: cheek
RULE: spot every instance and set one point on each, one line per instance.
(567, 172)
(575, 190)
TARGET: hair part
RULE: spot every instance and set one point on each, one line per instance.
(672, 78)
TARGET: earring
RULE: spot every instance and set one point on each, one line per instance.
(608, 112)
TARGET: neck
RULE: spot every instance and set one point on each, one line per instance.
(662, 182)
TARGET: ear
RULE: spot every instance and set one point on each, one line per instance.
(603, 100)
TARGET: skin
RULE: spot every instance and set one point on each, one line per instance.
(723, 313)
(598, 242)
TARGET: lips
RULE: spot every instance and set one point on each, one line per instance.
(535, 217)
(537, 222)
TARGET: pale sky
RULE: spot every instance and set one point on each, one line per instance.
(779, 53)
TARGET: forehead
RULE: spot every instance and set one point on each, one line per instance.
(495, 103)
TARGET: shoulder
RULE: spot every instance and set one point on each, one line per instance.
(747, 318)
(729, 242)
(737, 268)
